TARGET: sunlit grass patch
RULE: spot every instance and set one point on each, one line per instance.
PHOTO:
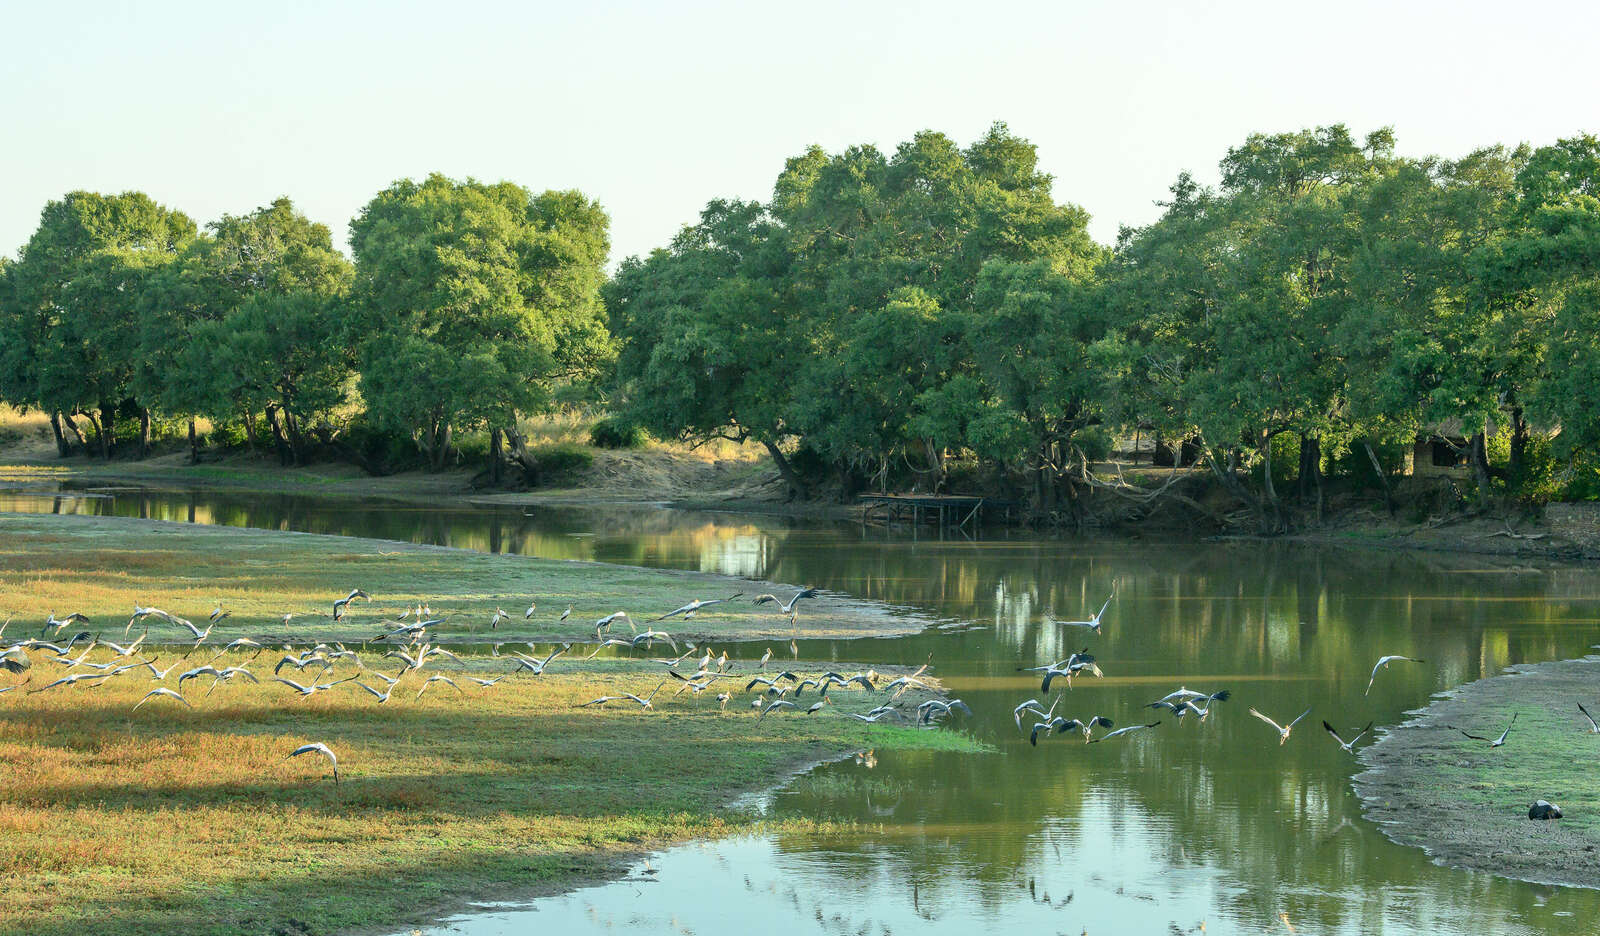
(101, 566)
(173, 819)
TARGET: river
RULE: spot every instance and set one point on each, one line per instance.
(1159, 832)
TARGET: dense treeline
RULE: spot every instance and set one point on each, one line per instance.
(465, 306)
(887, 319)
(1328, 301)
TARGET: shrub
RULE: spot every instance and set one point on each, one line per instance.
(614, 432)
(562, 459)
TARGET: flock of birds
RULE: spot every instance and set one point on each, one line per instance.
(694, 670)
(1180, 703)
(1189, 702)
(405, 640)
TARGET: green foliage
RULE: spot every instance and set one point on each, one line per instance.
(472, 300)
(614, 432)
(559, 460)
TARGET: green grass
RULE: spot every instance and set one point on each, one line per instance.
(191, 821)
(1468, 803)
(176, 820)
(101, 566)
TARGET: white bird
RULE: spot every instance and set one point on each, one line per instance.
(317, 747)
(486, 683)
(529, 612)
(1594, 728)
(1094, 621)
(689, 610)
(786, 608)
(382, 697)
(434, 679)
(774, 706)
(501, 615)
(1087, 727)
(1122, 731)
(606, 622)
(1283, 730)
(565, 614)
(1496, 742)
(163, 691)
(1349, 746)
(765, 657)
(1385, 661)
(340, 604)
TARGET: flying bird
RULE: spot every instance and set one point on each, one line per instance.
(1385, 661)
(1349, 746)
(785, 607)
(163, 691)
(1122, 731)
(1094, 621)
(1494, 742)
(1283, 730)
(317, 747)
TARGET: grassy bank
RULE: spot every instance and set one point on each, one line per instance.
(176, 820)
(101, 566)
(171, 820)
(1428, 785)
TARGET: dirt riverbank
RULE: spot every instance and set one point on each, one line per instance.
(1466, 804)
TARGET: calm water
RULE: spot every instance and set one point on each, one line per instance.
(1177, 826)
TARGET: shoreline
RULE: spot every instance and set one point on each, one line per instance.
(1566, 532)
(1465, 805)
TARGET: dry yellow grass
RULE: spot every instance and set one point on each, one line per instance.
(169, 819)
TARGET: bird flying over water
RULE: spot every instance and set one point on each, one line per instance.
(1283, 730)
(1385, 661)
(1094, 621)
(1349, 746)
(1122, 731)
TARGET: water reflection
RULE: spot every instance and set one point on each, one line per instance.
(1181, 825)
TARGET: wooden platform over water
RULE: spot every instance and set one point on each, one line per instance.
(949, 511)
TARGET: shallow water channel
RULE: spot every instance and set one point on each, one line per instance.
(1159, 832)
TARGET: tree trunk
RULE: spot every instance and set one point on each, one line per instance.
(1311, 472)
(61, 440)
(72, 426)
(1273, 507)
(494, 457)
(1519, 445)
(797, 488)
(1478, 455)
(108, 430)
(194, 445)
(297, 438)
(1383, 476)
(144, 432)
(439, 448)
(279, 439)
(250, 431)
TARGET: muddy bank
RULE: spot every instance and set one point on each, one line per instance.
(1466, 804)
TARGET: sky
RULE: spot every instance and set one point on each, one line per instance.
(656, 108)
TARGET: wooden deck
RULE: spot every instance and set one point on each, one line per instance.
(948, 511)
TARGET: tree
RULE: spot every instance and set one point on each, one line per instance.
(473, 301)
(75, 295)
(209, 317)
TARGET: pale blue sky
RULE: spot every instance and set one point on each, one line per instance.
(656, 108)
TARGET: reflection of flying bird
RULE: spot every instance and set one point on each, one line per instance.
(1283, 730)
(1385, 661)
